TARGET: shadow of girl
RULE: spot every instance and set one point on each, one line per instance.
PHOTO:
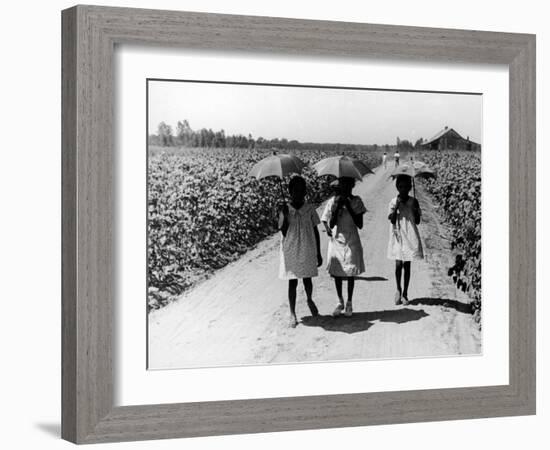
(362, 321)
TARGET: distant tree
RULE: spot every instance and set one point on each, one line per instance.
(404, 145)
(184, 133)
(203, 137)
(210, 138)
(418, 143)
(164, 132)
(153, 140)
(219, 139)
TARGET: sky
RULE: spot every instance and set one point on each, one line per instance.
(349, 116)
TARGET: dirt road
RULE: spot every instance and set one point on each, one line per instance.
(240, 315)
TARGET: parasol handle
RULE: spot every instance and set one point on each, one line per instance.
(281, 186)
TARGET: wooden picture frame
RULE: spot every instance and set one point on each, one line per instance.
(89, 37)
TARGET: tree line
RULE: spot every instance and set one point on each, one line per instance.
(185, 136)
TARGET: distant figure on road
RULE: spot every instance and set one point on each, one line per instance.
(342, 217)
(385, 160)
(300, 251)
(404, 243)
(396, 157)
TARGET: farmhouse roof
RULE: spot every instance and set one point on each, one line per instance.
(440, 134)
(443, 132)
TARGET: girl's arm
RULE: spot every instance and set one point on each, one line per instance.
(338, 203)
(326, 216)
(333, 219)
(284, 226)
(392, 217)
(318, 243)
(357, 218)
(327, 228)
(416, 211)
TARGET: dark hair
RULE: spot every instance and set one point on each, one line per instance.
(402, 177)
(295, 182)
(346, 180)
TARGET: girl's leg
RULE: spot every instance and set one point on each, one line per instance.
(292, 284)
(351, 284)
(398, 269)
(407, 270)
(340, 306)
(308, 287)
(338, 284)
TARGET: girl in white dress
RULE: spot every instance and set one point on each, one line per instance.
(342, 218)
(396, 157)
(300, 250)
(404, 243)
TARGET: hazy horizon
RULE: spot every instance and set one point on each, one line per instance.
(310, 114)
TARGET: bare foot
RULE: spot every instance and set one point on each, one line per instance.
(338, 310)
(293, 322)
(398, 298)
(405, 300)
(349, 310)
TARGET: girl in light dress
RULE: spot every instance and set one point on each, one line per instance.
(300, 250)
(396, 157)
(404, 243)
(342, 217)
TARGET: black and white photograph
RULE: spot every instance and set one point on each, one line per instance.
(298, 224)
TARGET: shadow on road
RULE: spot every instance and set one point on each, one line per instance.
(362, 321)
(465, 308)
(375, 278)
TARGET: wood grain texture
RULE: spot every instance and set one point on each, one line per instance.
(89, 36)
(68, 226)
(522, 224)
(87, 204)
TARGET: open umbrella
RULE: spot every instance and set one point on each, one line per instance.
(342, 166)
(278, 166)
(363, 167)
(417, 169)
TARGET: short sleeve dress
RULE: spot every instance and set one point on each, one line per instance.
(345, 252)
(298, 249)
(404, 238)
